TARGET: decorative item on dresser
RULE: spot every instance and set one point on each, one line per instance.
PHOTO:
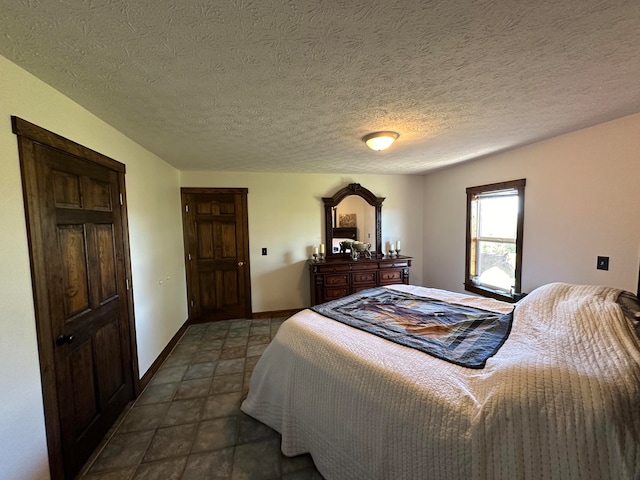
(338, 277)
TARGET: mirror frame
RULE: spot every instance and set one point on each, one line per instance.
(370, 198)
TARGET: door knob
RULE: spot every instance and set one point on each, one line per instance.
(240, 264)
(62, 339)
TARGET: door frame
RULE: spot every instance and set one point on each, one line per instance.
(28, 134)
(186, 228)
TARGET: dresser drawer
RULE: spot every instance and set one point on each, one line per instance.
(390, 276)
(341, 279)
(394, 264)
(328, 268)
(364, 277)
(331, 293)
(363, 265)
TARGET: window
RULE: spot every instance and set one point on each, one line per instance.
(495, 216)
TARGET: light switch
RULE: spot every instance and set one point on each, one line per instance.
(603, 263)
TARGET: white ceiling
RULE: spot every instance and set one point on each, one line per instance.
(293, 85)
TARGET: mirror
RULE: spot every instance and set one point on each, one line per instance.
(353, 220)
(353, 214)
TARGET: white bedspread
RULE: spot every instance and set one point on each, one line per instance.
(560, 399)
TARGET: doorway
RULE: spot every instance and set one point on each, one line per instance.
(216, 241)
(75, 204)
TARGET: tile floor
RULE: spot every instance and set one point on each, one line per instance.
(187, 423)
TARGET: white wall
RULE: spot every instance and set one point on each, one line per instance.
(286, 215)
(581, 200)
(156, 249)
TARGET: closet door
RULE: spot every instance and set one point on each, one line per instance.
(216, 253)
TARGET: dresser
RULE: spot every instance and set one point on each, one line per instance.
(338, 276)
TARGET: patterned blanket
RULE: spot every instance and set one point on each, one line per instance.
(459, 334)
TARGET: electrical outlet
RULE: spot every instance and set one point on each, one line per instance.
(603, 263)
(264, 251)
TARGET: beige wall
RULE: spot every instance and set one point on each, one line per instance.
(581, 200)
(157, 261)
(156, 249)
(286, 215)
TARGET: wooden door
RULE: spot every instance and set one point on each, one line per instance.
(77, 241)
(216, 242)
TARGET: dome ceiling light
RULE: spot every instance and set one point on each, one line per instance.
(380, 140)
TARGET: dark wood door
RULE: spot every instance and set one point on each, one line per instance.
(216, 241)
(77, 243)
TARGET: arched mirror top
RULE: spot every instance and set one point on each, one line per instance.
(353, 189)
(361, 231)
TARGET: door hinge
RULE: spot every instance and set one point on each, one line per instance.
(189, 256)
(192, 303)
(121, 199)
(186, 208)
(127, 283)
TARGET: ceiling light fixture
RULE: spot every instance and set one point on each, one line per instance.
(380, 140)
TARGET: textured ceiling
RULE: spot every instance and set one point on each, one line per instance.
(293, 85)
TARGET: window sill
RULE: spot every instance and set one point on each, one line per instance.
(487, 292)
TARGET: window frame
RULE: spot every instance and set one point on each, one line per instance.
(472, 193)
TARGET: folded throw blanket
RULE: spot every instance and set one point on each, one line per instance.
(460, 334)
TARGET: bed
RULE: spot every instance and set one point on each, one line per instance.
(558, 400)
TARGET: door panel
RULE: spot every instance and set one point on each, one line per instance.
(66, 189)
(111, 379)
(105, 246)
(230, 284)
(217, 253)
(75, 281)
(206, 282)
(204, 232)
(96, 194)
(82, 381)
(228, 240)
(77, 240)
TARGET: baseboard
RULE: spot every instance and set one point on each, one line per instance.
(276, 313)
(146, 378)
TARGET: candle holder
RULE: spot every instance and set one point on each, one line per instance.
(315, 257)
(397, 252)
(322, 257)
(392, 253)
